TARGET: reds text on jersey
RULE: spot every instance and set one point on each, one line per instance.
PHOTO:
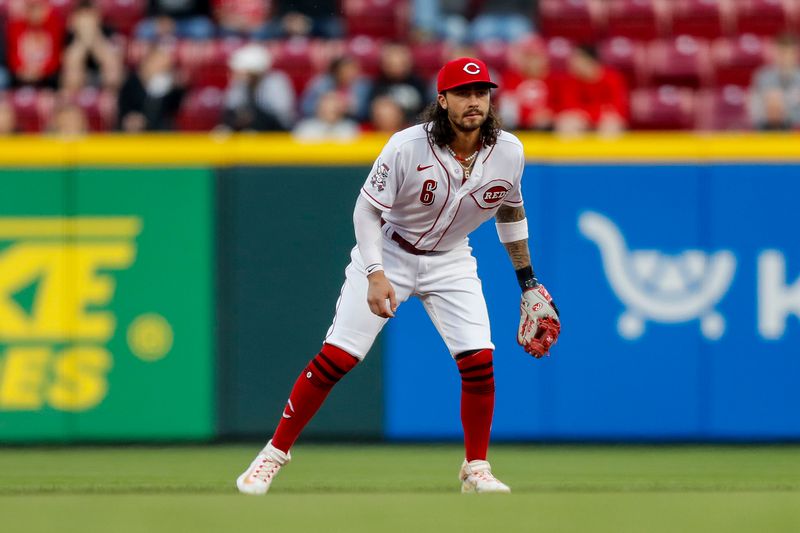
(419, 187)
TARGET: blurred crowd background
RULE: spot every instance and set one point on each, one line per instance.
(335, 68)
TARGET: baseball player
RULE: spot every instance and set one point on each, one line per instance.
(432, 184)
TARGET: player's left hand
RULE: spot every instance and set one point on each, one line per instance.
(539, 325)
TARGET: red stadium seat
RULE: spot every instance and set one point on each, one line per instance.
(201, 109)
(663, 108)
(577, 20)
(205, 63)
(100, 108)
(683, 60)
(637, 19)
(558, 52)
(122, 15)
(33, 108)
(494, 53)
(723, 109)
(382, 19)
(428, 58)
(367, 51)
(301, 59)
(765, 17)
(626, 56)
(734, 60)
(702, 18)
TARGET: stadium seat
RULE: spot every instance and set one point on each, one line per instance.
(382, 19)
(122, 15)
(734, 60)
(33, 108)
(765, 17)
(702, 18)
(203, 62)
(637, 19)
(100, 108)
(683, 61)
(301, 59)
(558, 52)
(626, 56)
(494, 53)
(663, 108)
(201, 109)
(367, 51)
(579, 21)
(428, 58)
(723, 109)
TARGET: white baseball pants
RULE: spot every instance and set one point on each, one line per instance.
(446, 282)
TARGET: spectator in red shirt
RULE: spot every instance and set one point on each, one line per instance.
(526, 101)
(35, 42)
(591, 97)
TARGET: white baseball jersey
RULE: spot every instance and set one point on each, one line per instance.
(421, 190)
(419, 187)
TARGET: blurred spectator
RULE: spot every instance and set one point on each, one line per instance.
(386, 115)
(5, 77)
(591, 97)
(69, 120)
(90, 57)
(258, 98)
(329, 123)
(35, 42)
(8, 119)
(396, 78)
(525, 101)
(243, 18)
(151, 96)
(775, 93)
(440, 20)
(305, 18)
(344, 76)
(504, 20)
(184, 19)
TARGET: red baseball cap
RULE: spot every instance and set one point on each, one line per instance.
(463, 71)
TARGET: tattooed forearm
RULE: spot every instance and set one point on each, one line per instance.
(518, 253)
(509, 214)
(517, 250)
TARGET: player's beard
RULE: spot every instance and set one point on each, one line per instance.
(465, 124)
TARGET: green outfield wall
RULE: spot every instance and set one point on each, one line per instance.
(105, 304)
(285, 235)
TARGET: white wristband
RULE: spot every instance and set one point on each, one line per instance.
(512, 231)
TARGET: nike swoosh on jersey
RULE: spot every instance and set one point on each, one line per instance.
(420, 168)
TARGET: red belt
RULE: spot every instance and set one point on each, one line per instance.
(407, 246)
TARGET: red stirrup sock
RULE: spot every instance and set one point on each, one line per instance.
(309, 391)
(477, 401)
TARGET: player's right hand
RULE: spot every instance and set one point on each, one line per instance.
(380, 295)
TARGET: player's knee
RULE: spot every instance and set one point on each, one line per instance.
(329, 366)
(477, 371)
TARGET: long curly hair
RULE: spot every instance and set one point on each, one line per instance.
(441, 132)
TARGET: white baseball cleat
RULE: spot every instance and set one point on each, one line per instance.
(259, 475)
(476, 476)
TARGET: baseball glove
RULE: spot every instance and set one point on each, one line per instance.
(539, 325)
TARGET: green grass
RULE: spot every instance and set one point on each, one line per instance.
(597, 489)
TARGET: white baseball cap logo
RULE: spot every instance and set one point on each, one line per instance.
(472, 68)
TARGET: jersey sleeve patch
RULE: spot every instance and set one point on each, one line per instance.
(379, 176)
